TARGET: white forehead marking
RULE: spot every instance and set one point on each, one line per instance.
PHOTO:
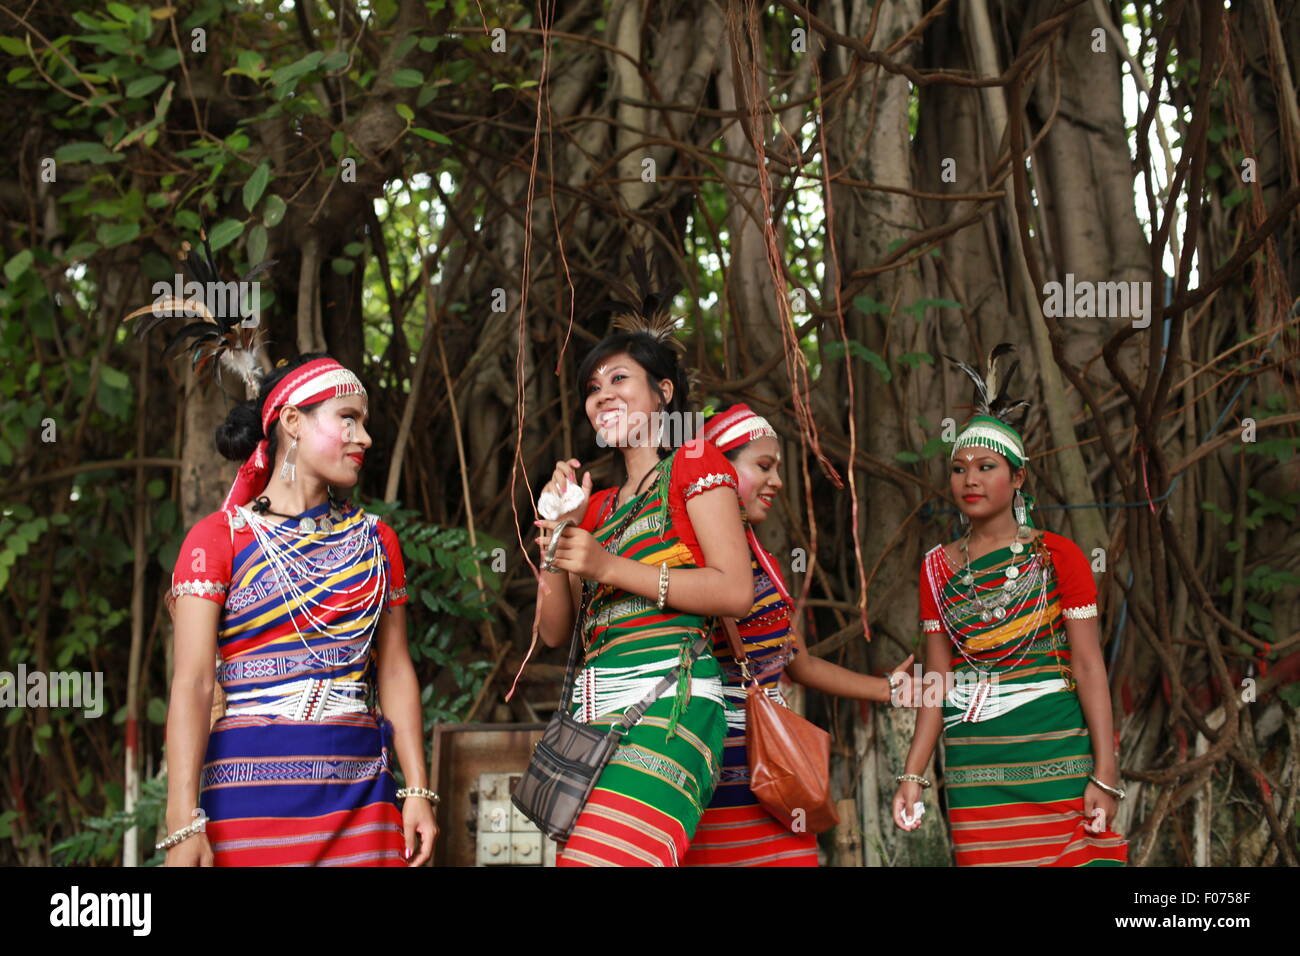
(601, 370)
(969, 456)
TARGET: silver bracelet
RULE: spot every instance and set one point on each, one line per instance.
(425, 792)
(1115, 792)
(185, 833)
(913, 778)
(663, 585)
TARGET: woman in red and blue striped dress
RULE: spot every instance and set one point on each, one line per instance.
(736, 830)
(302, 597)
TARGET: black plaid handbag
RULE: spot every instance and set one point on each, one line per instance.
(570, 756)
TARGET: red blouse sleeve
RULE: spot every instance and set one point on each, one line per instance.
(700, 467)
(595, 507)
(203, 563)
(929, 609)
(931, 620)
(396, 565)
(1078, 590)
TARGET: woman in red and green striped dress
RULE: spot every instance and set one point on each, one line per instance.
(1010, 617)
(674, 522)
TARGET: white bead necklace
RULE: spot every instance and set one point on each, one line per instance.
(286, 563)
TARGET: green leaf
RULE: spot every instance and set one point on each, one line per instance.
(335, 61)
(408, 78)
(405, 112)
(13, 47)
(224, 233)
(256, 244)
(121, 11)
(908, 457)
(431, 135)
(273, 211)
(156, 711)
(116, 234)
(114, 378)
(18, 265)
(296, 69)
(256, 185)
(86, 153)
(188, 220)
(144, 86)
(867, 305)
(342, 266)
(353, 249)
(1234, 198)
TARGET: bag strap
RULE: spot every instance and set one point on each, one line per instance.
(632, 716)
(738, 651)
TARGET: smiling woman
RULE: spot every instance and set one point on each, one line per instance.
(651, 564)
(301, 594)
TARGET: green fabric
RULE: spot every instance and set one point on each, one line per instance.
(672, 757)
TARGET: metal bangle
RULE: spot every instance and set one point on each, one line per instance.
(913, 778)
(184, 833)
(1115, 792)
(425, 792)
(663, 585)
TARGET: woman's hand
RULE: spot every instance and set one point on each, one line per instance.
(905, 692)
(1094, 799)
(577, 551)
(192, 851)
(417, 817)
(908, 794)
(564, 474)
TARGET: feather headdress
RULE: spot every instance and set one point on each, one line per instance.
(991, 387)
(641, 308)
(219, 337)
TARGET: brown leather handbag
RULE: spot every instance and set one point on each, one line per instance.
(789, 757)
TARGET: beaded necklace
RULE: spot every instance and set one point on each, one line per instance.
(290, 564)
(1027, 584)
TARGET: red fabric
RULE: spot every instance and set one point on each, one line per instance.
(748, 836)
(1031, 834)
(617, 830)
(1073, 572)
(929, 609)
(371, 835)
(695, 460)
(396, 563)
(206, 554)
(595, 507)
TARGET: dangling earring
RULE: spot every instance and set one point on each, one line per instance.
(965, 521)
(1022, 515)
(289, 470)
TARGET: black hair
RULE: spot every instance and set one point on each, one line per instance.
(239, 434)
(658, 359)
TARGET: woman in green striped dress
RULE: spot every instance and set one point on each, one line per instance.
(1010, 616)
(664, 555)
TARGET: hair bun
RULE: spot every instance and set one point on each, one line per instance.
(239, 434)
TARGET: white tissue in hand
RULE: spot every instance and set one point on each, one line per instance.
(550, 505)
(918, 811)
